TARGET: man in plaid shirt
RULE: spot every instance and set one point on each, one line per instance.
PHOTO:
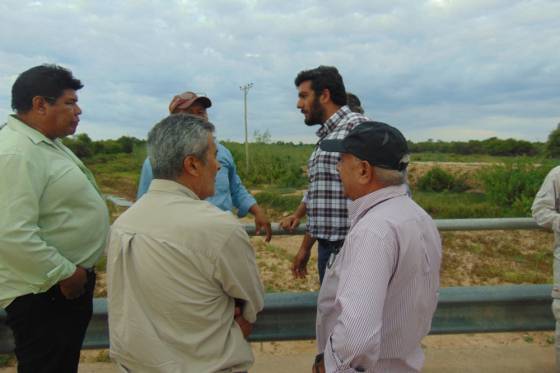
(322, 100)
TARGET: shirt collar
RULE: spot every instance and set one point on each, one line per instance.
(170, 186)
(360, 206)
(331, 123)
(17, 125)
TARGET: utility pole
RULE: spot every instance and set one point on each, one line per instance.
(245, 90)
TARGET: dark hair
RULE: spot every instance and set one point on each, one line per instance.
(324, 77)
(48, 81)
(354, 103)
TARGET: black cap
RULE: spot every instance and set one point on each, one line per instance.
(378, 143)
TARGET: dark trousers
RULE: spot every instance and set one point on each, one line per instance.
(49, 329)
(325, 248)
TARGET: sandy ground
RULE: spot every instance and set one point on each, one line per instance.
(500, 352)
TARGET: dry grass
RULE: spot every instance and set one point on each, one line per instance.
(469, 259)
(497, 257)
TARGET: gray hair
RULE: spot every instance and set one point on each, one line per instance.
(173, 139)
(390, 177)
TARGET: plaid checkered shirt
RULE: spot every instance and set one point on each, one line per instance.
(326, 205)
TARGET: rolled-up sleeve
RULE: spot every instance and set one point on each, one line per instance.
(237, 271)
(240, 196)
(29, 258)
(354, 343)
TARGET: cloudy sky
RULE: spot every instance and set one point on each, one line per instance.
(440, 69)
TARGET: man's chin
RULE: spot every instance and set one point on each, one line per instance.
(70, 131)
(310, 123)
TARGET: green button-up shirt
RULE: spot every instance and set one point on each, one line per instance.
(52, 215)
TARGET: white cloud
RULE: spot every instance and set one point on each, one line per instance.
(430, 67)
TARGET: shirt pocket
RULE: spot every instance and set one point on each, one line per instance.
(323, 165)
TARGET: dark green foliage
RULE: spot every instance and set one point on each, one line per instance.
(449, 205)
(280, 169)
(439, 180)
(513, 185)
(85, 148)
(553, 144)
(81, 145)
(127, 143)
(279, 164)
(278, 202)
(491, 146)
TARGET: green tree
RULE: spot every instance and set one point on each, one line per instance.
(553, 143)
(81, 145)
(262, 137)
(127, 144)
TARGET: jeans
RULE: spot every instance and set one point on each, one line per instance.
(325, 248)
(49, 329)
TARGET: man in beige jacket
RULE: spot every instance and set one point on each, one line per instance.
(184, 287)
(546, 212)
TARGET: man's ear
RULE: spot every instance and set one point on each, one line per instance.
(39, 104)
(366, 172)
(191, 165)
(325, 96)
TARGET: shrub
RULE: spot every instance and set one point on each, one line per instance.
(278, 202)
(553, 143)
(450, 205)
(272, 164)
(439, 180)
(513, 185)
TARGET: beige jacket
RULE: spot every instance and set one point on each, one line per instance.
(546, 212)
(175, 264)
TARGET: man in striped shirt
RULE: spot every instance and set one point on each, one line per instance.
(322, 100)
(380, 291)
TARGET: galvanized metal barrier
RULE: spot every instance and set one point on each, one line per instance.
(291, 316)
(442, 224)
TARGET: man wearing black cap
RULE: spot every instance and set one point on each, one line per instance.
(380, 290)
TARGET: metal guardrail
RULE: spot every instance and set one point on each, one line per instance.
(442, 224)
(291, 316)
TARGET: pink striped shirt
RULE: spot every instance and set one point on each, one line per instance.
(378, 298)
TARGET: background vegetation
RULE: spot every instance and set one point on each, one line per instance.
(506, 177)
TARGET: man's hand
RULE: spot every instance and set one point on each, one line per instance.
(290, 222)
(246, 326)
(262, 224)
(73, 286)
(299, 264)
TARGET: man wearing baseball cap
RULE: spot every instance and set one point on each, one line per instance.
(229, 190)
(380, 290)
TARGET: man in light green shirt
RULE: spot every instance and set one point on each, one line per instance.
(183, 284)
(53, 225)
